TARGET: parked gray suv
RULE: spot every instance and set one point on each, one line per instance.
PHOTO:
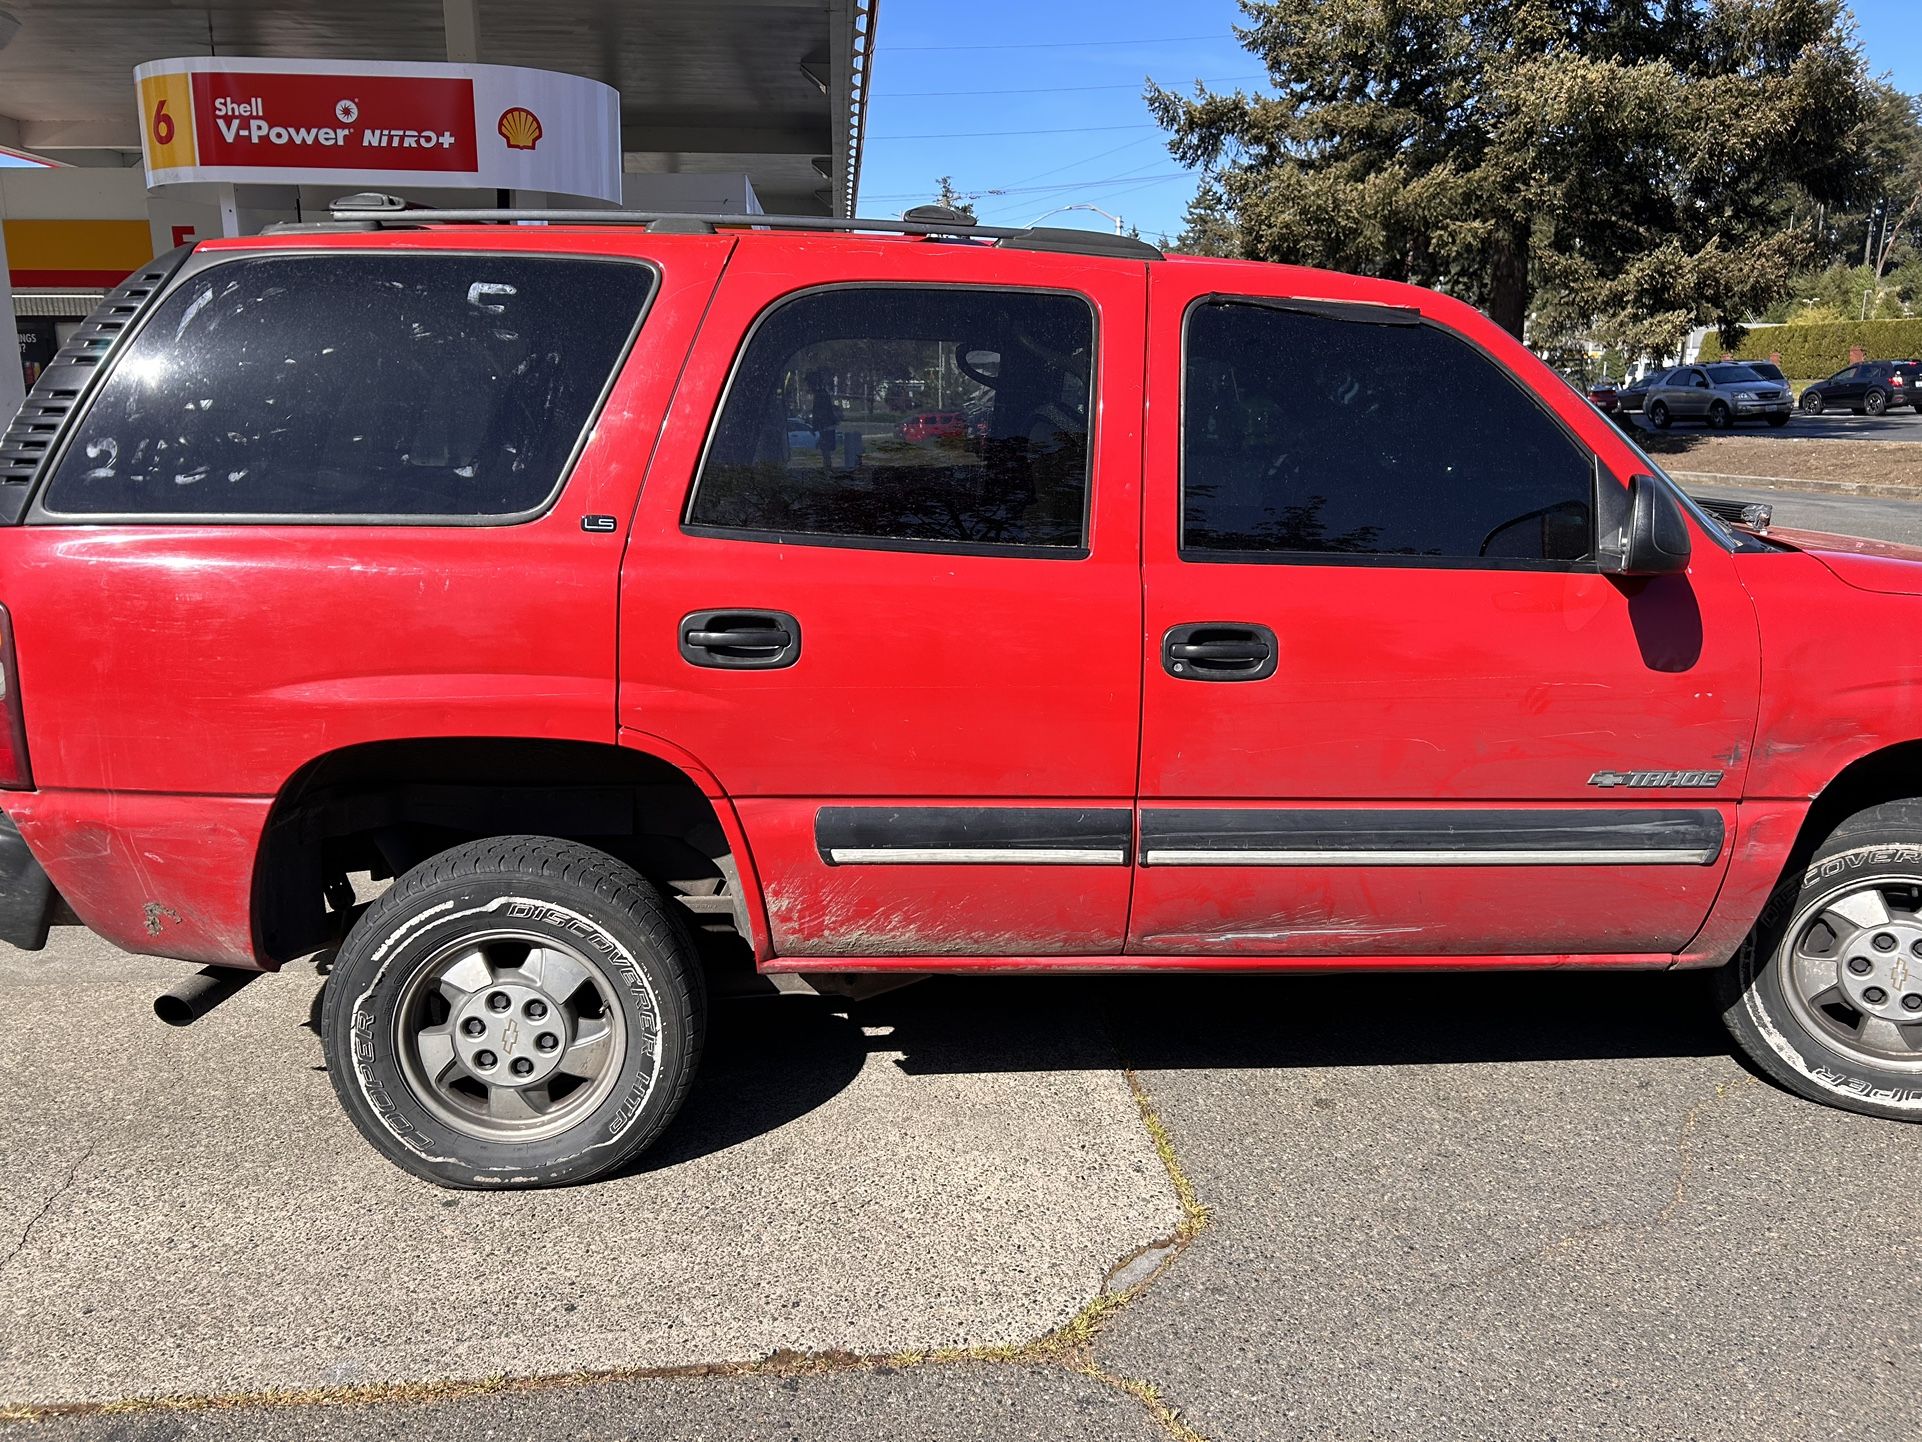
(1719, 394)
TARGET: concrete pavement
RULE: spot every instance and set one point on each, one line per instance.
(189, 1212)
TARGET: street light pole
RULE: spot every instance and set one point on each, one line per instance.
(1119, 228)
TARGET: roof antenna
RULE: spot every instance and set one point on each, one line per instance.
(940, 215)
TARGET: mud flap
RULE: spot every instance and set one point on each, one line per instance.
(27, 896)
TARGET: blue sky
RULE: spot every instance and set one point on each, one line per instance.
(1066, 82)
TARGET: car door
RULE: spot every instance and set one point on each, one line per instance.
(1675, 391)
(1697, 395)
(1845, 387)
(1391, 706)
(911, 659)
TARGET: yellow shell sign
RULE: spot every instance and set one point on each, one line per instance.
(520, 128)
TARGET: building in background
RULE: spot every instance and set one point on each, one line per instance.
(723, 107)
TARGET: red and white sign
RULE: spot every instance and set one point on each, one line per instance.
(372, 123)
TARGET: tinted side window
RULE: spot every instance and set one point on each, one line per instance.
(355, 385)
(908, 414)
(1310, 434)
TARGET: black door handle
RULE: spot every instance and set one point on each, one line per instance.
(1219, 651)
(740, 640)
(768, 638)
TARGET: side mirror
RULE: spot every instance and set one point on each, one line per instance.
(1640, 530)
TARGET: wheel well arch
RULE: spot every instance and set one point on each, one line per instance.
(1892, 773)
(381, 807)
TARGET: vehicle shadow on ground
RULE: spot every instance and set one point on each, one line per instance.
(1379, 1019)
(772, 1061)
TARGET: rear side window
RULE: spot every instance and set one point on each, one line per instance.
(907, 415)
(1310, 434)
(376, 386)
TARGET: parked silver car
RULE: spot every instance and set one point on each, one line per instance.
(1719, 394)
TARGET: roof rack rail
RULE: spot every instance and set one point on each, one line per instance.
(383, 210)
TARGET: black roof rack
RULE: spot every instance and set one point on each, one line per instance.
(371, 210)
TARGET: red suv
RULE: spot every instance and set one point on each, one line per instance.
(933, 426)
(453, 593)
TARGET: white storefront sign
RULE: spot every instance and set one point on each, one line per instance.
(244, 121)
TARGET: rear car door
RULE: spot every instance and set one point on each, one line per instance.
(1391, 707)
(910, 657)
(1697, 396)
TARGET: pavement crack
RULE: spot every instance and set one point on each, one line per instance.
(1684, 1151)
(1166, 1416)
(1684, 1175)
(38, 1217)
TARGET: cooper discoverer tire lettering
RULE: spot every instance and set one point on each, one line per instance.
(516, 1012)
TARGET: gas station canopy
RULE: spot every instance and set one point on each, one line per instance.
(773, 90)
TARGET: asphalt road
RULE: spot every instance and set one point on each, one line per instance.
(1485, 1206)
(1885, 519)
(1902, 425)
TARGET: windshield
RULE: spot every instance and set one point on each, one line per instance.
(1727, 375)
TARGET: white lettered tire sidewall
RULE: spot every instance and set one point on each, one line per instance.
(644, 952)
(1765, 1021)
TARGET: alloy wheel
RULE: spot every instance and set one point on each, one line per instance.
(1852, 970)
(510, 1036)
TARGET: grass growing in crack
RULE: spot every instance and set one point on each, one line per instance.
(1194, 1211)
(1149, 1396)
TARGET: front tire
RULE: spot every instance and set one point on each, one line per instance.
(517, 1012)
(1720, 417)
(1658, 415)
(1812, 403)
(1778, 420)
(1825, 995)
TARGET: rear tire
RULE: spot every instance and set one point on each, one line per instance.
(1658, 415)
(517, 1012)
(1876, 401)
(1825, 995)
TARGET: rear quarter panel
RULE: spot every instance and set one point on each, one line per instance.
(175, 676)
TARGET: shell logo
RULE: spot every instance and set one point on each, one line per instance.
(520, 128)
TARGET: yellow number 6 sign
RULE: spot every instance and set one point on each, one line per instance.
(167, 120)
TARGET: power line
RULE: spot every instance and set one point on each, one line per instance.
(1057, 89)
(1067, 44)
(978, 134)
(1122, 185)
(1000, 190)
(1098, 155)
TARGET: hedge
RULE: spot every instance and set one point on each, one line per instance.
(1813, 351)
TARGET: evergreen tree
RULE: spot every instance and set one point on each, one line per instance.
(1627, 167)
(945, 194)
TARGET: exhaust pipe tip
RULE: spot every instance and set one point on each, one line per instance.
(199, 994)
